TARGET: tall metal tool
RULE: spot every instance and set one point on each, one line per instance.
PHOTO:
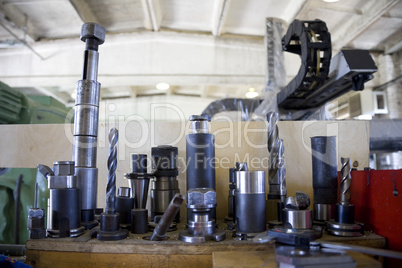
(200, 157)
(86, 123)
(325, 182)
(277, 171)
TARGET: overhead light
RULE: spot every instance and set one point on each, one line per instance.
(251, 93)
(162, 86)
(330, 1)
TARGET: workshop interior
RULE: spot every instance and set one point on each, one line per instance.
(214, 133)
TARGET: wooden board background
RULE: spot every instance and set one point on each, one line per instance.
(28, 145)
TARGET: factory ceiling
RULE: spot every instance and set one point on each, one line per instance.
(38, 28)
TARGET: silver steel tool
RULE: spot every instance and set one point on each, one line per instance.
(63, 205)
(201, 226)
(167, 218)
(86, 123)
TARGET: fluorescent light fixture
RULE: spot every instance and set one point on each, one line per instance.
(162, 86)
(330, 1)
(251, 93)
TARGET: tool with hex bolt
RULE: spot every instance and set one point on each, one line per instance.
(201, 226)
(63, 206)
(36, 219)
(86, 123)
(344, 223)
(200, 157)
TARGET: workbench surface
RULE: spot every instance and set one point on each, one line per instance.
(85, 251)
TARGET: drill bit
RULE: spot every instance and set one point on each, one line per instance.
(273, 146)
(272, 119)
(345, 181)
(281, 170)
(111, 178)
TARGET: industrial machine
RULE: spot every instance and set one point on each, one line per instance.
(17, 108)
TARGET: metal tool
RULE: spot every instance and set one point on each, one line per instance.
(124, 205)
(344, 223)
(36, 219)
(165, 185)
(138, 180)
(167, 218)
(86, 123)
(298, 228)
(296, 214)
(276, 168)
(290, 256)
(110, 220)
(365, 250)
(139, 221)
(17, 208)
(63, 205)
(250, 203)
(200, 155)
(231, 197)
(325, 177)
(201, 226)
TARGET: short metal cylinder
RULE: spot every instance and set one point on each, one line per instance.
(84, 151)
(324, 212)
(64, 209)
(297, 219)
(124, 192)
(345, 213)
(139, 221)
(250, 202)
(124, 205)
(250, 182)
(88, 92)
(86, 120)
(109, 222)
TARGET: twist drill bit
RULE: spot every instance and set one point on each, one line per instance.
(111, 178)
(281, 170)
(273, 146)
(345, 182)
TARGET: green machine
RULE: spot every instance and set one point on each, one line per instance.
(17, 195)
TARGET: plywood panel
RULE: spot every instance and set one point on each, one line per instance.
(28, 145)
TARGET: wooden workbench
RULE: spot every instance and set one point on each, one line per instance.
(137, 252)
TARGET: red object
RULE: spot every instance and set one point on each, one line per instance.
(377, 196)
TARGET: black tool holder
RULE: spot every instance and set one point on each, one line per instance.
(165, 185)
(64, 202)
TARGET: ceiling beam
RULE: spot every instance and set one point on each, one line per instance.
(334, 7)
(394, 43)
(219, 15)
(20, 22)
(84, 11)
(152, 14)
(371, 11)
